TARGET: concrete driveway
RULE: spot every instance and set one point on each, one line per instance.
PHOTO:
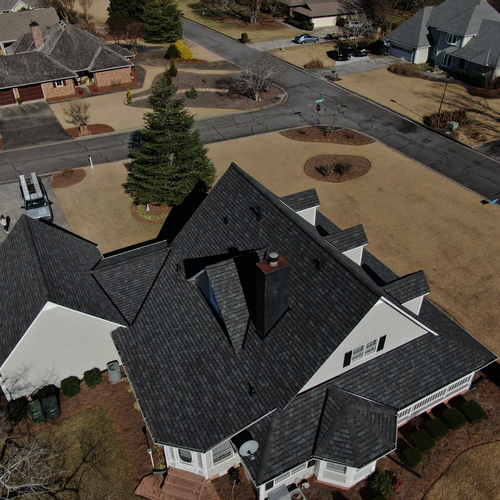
(10, 205)
(30, 124)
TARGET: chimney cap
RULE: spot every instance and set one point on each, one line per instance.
(273, 259)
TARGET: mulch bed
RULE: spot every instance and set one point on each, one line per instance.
(95, 129)
(315, 134)
(160, 211)
(359, 167)
(60, 180)
(211, 99)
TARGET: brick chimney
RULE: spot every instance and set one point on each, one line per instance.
(36, 32)
(273, 276)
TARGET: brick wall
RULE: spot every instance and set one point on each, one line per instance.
(111, 77)
(50, 90)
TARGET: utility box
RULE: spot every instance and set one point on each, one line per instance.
(114, 372)
(453, 126)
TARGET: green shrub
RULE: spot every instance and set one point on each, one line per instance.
(436, 429)
(306, 26)
(92, 377)
(472, 78)
(412, 457)
(16, 410)
(341, 22)
(378, 47)
(473, 411)
(172, 71)
(422, 440)
(380, 497)
(46, 390)
(323, 170)
(172, 52)
(244, 38)
(129, 97)
(454, 419)
(192, 93)
(70, 386)
(384, 483)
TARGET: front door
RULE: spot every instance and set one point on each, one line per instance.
(187, 460)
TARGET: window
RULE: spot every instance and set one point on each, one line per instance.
(221, 452)
(336, 468)
(447, 60)
(282, 477)
(59, 83)
(297, 469)
(451, 39)
(269, 485)
(185, 456)
(364, 351)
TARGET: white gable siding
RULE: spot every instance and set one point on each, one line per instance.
(59, 343)
(355, 254)
(415, 304)
(381, 320)
(309, 214)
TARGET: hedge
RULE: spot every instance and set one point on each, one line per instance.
(412, 457)
(92, 377)
(422, 440)
(384, 483)
(473, 411)
(436, 429)
(472, 78)
(70, 386)
(454, 419)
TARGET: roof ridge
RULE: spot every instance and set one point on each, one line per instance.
(273, 426)
(36, 256)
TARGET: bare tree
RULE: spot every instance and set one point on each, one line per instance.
(85, 6)
(136, 31)
(257, 74)
(77, 113)
(25, 465)
(65, 8)
(364, 27)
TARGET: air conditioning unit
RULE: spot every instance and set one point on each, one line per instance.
(453, 126)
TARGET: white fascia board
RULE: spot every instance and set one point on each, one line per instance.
(404, 313)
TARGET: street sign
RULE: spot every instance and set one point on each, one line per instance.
(319, 101)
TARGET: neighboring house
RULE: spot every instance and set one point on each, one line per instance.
(457, 34)
(309, 358)
(321, 13)
(7, 6)
(48, 63)
(17, 24)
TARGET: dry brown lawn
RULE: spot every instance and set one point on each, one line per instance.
(474, 475)
(302, 54)
(416, 98)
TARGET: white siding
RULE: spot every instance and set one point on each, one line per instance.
(355, 254)
(414, 305)
(59, 343)
(420, 56)
(309, 214)
(351, 476)
(320, 22)
(381, 320)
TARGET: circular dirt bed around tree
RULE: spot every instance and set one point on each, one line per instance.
(156, 214)
(354, 167)
(318, 134)
(61, 179)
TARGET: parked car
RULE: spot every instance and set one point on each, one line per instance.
(332, 36)
(344, 52)
(305, 38)
(36, 202)
(51, 407)
(360, 50)
(35, 411)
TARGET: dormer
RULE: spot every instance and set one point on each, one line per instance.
(350, 242)
(409, 290)
(304, 203)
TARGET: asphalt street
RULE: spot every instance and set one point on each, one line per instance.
(459, 163)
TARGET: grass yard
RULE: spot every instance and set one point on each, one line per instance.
(91, 458)
(474, 475)
(416, 98)
(302, 54)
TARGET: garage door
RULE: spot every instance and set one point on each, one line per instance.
(31, 93)
(401, 52)
(7, 97)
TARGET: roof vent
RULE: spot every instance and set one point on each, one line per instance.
(273, 259)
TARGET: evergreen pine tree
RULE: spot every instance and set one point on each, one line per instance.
(172, 71)
(171, 160)
(128, 9)
(164, 21)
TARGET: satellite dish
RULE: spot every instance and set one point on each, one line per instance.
(248, 448)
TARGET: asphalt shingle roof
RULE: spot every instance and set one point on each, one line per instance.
(16, 24)
(41, 263)
(325, 423)
(348, 239)
(214, 378)
(302, 201)
(408, 287)
(413, 32)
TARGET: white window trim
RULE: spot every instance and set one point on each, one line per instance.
(447, 59)
(59, 83)
(451, 39)
(340, 469)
